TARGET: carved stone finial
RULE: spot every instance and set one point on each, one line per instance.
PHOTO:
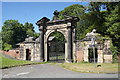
(94, 30)
(56, 13)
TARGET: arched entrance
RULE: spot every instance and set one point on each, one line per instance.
(66, 27)
(56, 47)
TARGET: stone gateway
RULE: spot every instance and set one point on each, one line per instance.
(38, 49)
(66, 27)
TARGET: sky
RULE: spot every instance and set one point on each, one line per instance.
(38, 0)
(32, 11)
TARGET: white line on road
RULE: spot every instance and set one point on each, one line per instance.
(22, 73)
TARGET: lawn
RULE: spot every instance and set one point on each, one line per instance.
(6, 62)
(91, 68)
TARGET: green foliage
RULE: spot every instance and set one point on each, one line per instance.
(29, 29)
(113, 24)
(36, 35)
(96, 17)
(77, 10)
(115, 52)
(110, 5)
(113, 29)
(59, 36)
(14, 32)
(107, 22)
(7, 46)
(1, 41)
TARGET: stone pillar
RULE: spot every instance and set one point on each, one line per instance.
(74, 52)
(42, 26)
(74, 44)
(42, 45)
(32, 55)
(46, 51)
(100, 56)
(69, 45)
(66, 52)
(24, 54)
(86, 54)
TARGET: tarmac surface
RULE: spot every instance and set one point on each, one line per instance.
(48, 71)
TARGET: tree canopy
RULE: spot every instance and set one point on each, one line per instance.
(14, 32)
(76, 10)
(102, 16)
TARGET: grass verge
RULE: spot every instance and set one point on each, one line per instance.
(7, 63)
(108, 68)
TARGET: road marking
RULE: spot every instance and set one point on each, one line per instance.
(22, 73)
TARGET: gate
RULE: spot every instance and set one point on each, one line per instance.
(56, 51)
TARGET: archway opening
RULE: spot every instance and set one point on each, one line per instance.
(28, 54)
(91, 55)
(56, 47)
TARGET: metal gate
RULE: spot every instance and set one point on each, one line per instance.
(56, 51)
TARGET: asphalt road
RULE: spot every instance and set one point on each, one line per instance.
(48, 71)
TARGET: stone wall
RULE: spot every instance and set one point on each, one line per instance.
(80, 56)
(107, 58)
(13, 53)
(103, 51)
(79, 51)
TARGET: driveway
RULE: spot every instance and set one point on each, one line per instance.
(48, 71)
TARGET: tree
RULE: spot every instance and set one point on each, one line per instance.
(12, 32)
(77, 10)
(29, 29)
(96, 17)
(59, 36)
(107, 22)
(113, 24)
(7, 46)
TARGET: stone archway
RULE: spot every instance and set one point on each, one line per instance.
(66, 27)
(51, 29)
(56, 47)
